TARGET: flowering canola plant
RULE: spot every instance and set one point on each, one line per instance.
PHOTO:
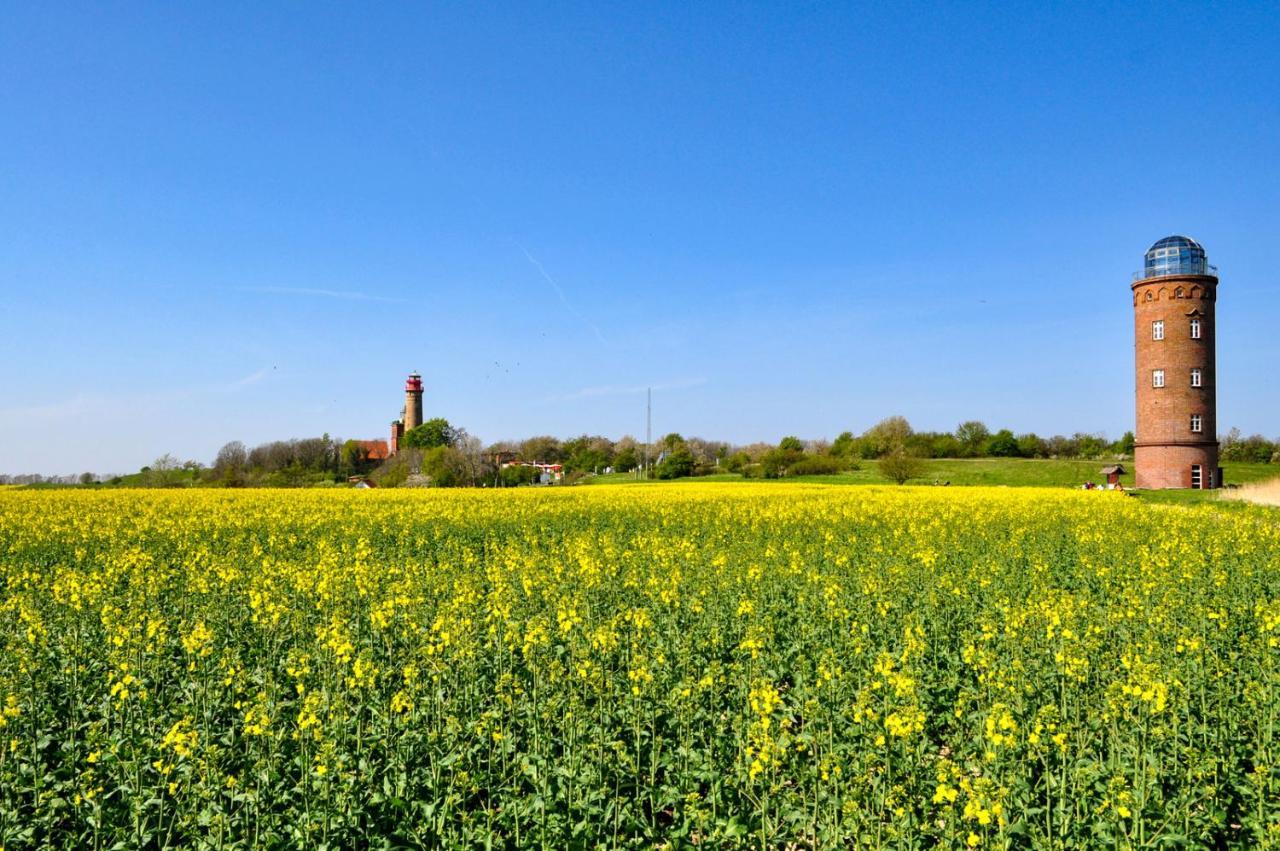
(713, 665)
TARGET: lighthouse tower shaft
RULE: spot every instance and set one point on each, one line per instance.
(413, 401)
(1176, 443)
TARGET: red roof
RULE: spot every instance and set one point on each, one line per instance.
(376, 449)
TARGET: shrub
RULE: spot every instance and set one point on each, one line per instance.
(677, 465)
(815, 465)
(737, 462)
(901, 466)
(517, 475)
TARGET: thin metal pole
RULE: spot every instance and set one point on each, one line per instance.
(648, 427)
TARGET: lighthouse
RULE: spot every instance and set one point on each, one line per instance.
(413, 401)
(411, 416)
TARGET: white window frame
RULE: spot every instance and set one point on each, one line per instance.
(1157, 378)
(1197, 424)
(1195, 329)
(1197, 378)
(1197, 477)
(1157, 329)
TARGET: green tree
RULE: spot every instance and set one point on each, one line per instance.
(844, 446)
(777, 461)
(515, 475)
(1003, 444)
(901, 466)
(973, 436)
(231, 464)
(737, 462)
(1031, 446)
(588, 454)
(543, 448)
(626, 459)
(354, 458)
(432, 434)
(791, 444)
(1091, 445)
(437, 466)
(886, 437)
(676, 464)
(164, 472)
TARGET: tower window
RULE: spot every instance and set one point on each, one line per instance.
(1157, 329)
(1196, 379)
(1196, 423)
(1195, 329)
(1157, 378)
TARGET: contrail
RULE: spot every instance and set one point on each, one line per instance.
(560, 293)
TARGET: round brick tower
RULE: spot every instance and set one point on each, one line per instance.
(1176, 444)
(413, 401)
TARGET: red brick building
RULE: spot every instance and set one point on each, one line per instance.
(1176, 442)
(375, 450)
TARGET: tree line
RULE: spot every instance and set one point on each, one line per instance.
(441, 454)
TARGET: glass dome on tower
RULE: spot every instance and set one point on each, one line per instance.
(1176, 255)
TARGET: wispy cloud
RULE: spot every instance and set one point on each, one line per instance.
(122, 406)
(346, 295)
(75, 406)
(251, 378)
(546, 276)
(632, 389)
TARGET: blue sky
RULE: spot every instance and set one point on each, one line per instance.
(249, 221)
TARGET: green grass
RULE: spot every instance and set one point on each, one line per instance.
(1011, 472)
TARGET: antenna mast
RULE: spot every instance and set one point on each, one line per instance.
(648, 427)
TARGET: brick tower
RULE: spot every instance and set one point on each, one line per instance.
(1176, 443)
(413, 401)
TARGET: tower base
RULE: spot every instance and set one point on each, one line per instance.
(1159, 466)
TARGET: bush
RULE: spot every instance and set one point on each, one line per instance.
(815, 465)
(776, 462)
(677, 465)
(1003, 445)
(394, 477)
(900, 466)
(516, 475)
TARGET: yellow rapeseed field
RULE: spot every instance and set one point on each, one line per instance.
(682, 666)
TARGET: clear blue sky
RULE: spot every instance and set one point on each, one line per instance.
(249, 221)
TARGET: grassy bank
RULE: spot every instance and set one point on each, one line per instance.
(1010, 472)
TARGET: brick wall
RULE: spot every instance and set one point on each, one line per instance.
(412, 409)
(1166, 445)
